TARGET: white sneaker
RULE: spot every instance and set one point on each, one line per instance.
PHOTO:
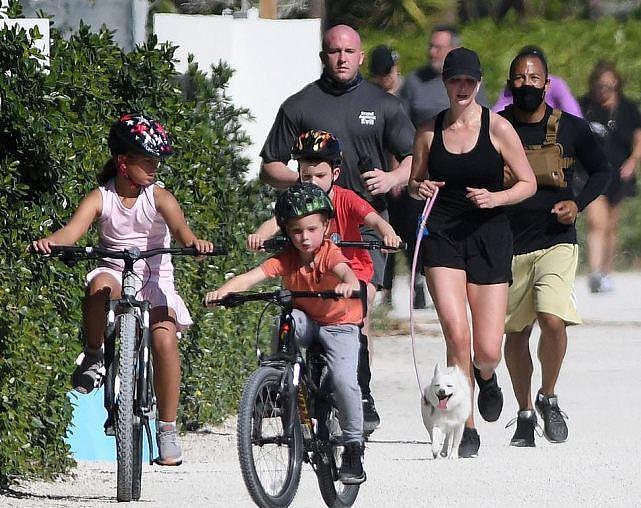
(606, 284)
(169, 451)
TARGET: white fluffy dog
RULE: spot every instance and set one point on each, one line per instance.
(445, 405)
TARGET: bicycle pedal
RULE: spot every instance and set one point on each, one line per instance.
(109, 427)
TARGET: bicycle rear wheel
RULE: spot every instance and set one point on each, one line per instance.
(125, 418)
(334, 492)
(269, 460)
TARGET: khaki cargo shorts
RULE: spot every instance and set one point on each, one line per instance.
(543, 281)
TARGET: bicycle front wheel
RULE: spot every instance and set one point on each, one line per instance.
(125, 418)
(269, 460)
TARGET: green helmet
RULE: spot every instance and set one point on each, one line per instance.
(301, 199)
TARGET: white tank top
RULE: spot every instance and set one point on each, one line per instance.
(140, 226)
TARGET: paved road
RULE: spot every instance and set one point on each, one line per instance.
(599, 389)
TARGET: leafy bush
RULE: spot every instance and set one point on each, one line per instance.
(572, 47)
(53, 130)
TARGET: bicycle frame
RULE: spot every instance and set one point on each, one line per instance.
(299, 373)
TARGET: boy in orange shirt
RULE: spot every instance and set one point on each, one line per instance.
(314, 263)
(319, 159)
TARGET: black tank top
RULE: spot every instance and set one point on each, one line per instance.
(481, 167)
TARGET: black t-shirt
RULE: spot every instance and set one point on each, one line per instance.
(615, 129)
(534, 226)
(367, 121)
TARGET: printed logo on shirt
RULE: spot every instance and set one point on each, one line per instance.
(367, 117)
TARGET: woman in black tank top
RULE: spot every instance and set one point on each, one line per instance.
(468, 252)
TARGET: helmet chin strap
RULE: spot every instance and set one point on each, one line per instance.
(122, 171)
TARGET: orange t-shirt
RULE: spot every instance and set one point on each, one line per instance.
(316, 276)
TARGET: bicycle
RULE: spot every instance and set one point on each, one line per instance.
(287, 414)
(129, 396)
(277, 243)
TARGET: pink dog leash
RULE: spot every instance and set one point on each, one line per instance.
(419, 238)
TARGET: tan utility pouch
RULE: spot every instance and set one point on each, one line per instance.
(547, 160)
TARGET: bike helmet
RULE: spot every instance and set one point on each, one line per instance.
(302, 199)
(139, 134)
(318, 145)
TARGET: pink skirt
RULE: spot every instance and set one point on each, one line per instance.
(160, 292)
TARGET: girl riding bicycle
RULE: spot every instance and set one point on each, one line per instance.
(313, 263)
(132, 211)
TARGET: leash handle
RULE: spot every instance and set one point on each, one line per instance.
(429, 203)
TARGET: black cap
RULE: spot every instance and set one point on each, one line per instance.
(381, 60)
(462, 62)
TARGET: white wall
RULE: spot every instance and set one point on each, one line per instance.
(272, 59)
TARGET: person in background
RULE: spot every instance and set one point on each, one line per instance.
(384, 69)
(616, 121)
(403, 210)
(558, 96)
(423, 90)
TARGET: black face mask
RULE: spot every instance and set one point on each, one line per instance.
(528, 97)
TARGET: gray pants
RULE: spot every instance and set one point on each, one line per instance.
(341, 350)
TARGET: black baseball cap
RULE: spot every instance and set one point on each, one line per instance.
(381, 60)
(462, 62)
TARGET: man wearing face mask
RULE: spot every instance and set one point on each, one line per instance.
(558, 94)
(545, 243)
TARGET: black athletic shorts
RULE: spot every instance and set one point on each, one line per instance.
(483, 250)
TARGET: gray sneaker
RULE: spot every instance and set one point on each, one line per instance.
(169, 451)
(89, 372)
(555, 429)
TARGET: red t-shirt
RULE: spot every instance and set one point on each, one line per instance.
(350, 212)
(315, 276)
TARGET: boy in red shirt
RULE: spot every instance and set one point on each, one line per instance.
(319, 159)
(313, 263)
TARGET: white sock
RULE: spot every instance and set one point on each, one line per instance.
(162, 425)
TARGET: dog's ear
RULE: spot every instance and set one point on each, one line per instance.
(437, 371)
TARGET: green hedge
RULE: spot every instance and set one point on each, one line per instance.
(53, 130)
(572, 48)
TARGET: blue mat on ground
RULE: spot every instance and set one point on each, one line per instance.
(86, 435)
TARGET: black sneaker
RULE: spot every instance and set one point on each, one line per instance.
(490, 398)
(420, 301)
(525, 425)
(352, 472)
(371, 420)
(89, 371)
(470, 443)
(554, 428)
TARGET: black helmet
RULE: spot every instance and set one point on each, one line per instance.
(318, 145)
(139, 134)
(301, 199)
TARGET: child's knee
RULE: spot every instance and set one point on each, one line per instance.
(164, 343)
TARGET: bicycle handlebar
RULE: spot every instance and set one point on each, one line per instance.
(70, 253)
(279, 242)
(282, 297)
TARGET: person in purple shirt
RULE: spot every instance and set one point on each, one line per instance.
(558, 95)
